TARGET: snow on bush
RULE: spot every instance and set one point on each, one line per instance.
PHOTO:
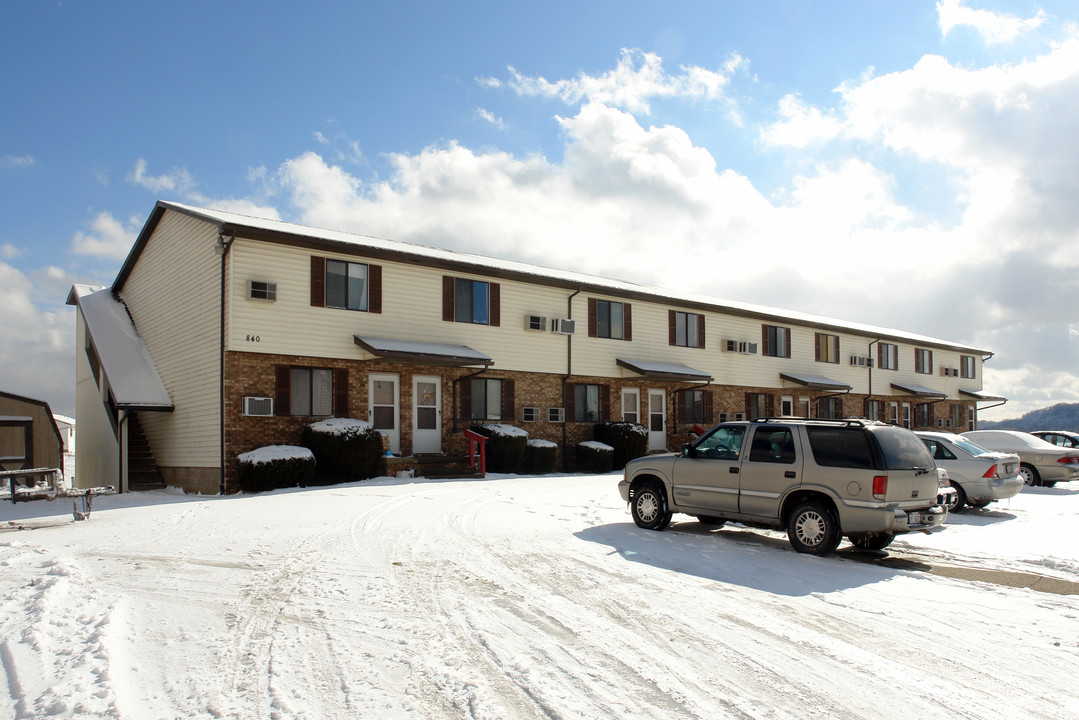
(346, 449)
(505, 447)
(594, 457)
(541, 456)
(275, 466)
(343, 427)
(503, 430)
(272, 453)
(629, 440)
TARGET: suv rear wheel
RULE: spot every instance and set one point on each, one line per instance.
(812, 528)
(872, 542)
(649, 507)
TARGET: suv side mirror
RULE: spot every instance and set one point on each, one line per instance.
(689, 451)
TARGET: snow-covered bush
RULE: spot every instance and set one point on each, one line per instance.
(346, 449)
(629, 440)
(505, 447)
(540, 456)
(595, 457)
(275, 466)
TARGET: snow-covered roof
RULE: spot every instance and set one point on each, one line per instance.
(919, 390)
(422, 351)
(124, 359)
(235, 223)
(816, 382)
(664, 370)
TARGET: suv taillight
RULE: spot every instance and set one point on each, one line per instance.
(880, 486)
(991, 472)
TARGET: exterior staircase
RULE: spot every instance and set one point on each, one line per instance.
(142, 472)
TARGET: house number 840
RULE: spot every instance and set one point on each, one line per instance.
(254, 338)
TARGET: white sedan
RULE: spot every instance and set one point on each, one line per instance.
(978, 475)
(1041, 462)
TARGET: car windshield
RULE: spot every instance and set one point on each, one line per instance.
(902, 449)
(971, 447)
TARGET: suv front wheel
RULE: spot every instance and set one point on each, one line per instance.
(649, 507)
(812, 528)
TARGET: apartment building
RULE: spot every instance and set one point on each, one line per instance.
(223, 333)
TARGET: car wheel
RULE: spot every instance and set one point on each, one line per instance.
(649, 507)
(980, 504)
(1049, 483)
(1030, 475)
(872, 542)
(709, 520)
(957, 501)
(812, 528)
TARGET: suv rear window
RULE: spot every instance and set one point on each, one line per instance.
(902, 449)
(844, 447)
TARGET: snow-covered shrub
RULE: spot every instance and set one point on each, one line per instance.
(505, 447)
(346, 449)
(595, 457)
(540, 456)
(629, 440)
(275, 466)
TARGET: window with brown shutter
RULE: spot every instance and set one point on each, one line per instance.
(471, 301)
(340, 392)
(610, 319)
(283, 390)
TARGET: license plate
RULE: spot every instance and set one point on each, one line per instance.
(914, 518)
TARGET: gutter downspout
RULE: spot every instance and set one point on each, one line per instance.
(222, 247)
(121, 450)
(869, 366)
(566, 377)
(987, 407)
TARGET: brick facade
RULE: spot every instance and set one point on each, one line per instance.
(253, 374)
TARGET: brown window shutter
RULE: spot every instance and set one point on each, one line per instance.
(839, 407)
(447, 298)
(374, 289)
(592, 332)
(627, 322)
(318, 281)
(672, 327)
(765, 350)
(816, 347)
(930, 371)
(749, 405)
(509, 405)
(787, 341)
(680, 406)
(835, 348)
(700, 331)
(466, 399)
(340, 392)
(709, 413)
(496, 304)
(571, 401)
(604, 403)
(283, 390)
(769, 405)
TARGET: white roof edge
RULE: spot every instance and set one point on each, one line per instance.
(485, 264)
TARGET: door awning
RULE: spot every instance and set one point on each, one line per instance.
(981, 395)
(418, 352)
(919, 391)
(664, 370)
(815, 382)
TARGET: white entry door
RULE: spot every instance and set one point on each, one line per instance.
(657, 420)
(426, 414)
(384, 407)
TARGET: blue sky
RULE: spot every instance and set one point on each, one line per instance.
(907, 164)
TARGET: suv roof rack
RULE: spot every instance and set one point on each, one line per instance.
(848, 422)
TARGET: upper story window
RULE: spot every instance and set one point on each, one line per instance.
(827, 348)
(471, 301)
(609, 319)
(686, 329)
(966, 366)
(923, 361)
(888, 356)
(346, 285)
(776, 341)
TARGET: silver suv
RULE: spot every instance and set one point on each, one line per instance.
(818, 479)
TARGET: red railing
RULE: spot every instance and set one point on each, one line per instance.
(474, 439)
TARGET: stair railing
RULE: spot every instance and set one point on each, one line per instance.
(474, 439)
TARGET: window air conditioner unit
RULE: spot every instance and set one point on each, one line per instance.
(556, 415)
(535, 322)
(747, 348)
(530, 414)
(859, 360)
(739, 417)
(563, 326)
(258, 406)
(730, 346)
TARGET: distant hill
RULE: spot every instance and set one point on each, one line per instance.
(1062, 416)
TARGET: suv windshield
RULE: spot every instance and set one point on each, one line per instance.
(902, 449)
(725, 443)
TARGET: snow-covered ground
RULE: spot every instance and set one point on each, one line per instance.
(523, 597)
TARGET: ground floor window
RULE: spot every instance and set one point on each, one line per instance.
(872, 409)
(830, 408)
(586, 403)
(924, 415)
(486, 399)
(758, 405)
(311, 391)
(694, 406)
(959, 416)
(631, 405)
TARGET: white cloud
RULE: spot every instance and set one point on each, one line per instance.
(108, 237)
(801, 125)
(37, 341)
(637, 78)
(10, 252)
(488, 116)
(178, 181)
(995, 28)
(17, 161)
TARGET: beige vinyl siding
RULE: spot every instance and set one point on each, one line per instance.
(411, 310)
(173, 293)
(96, 446)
